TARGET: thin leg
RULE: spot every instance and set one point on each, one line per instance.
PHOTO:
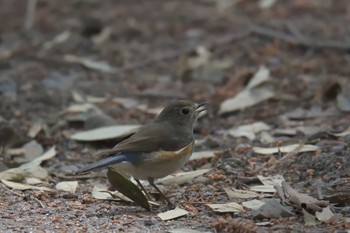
(143, 188)
(151, 181)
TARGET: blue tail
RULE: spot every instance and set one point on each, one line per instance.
(103, 163)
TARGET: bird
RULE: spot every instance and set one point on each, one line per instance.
(157, 149)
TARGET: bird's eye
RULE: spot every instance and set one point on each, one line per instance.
(185, 111)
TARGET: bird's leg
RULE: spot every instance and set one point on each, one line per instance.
(151, 181)
(143, 188)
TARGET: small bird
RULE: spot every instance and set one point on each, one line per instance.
(157, 149)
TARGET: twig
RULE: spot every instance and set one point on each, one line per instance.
(305, 41)
(38, 201)
(30, 14)
(13, 192)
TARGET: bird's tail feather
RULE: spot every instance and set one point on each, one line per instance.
(102, 163)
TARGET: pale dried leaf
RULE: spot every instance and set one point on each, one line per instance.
(79, 107)
(33, 180)
(172, 214)
(90, 64)
(37, 172)
(249, 130)
(246, 98)
(265, 4)
(285, 149)
(309, 219)
(231, 207)
(59, 39)
(185, 230)
(95, 99)
(35, 129)
(260, 77)
(103, 36)
(242, 194)
(182, 177)
(77, 97)
(105, 133)
(20, 186)
(37, 161)
(102, 193)
(263, 188)
(203, 155)
(325, 215)
(253, 204)
(342, 134)
(271, 180)
(68, 186)
(13, 174)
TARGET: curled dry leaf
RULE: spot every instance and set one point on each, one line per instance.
(182, 177)
(285, 149)
(68, 186)
(172, 214)
(203, 155)
(325, 215)
(231, 207)
(253, 94)
(37, 161)
(242, 194)
(342, 134)
(20, 186)
(106, 133)
(249, 130)
(253, 204)
(90, 64)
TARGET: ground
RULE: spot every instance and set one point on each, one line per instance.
(149, 46)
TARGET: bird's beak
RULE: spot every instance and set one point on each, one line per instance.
(201, 107)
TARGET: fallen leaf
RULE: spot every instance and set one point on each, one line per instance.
(309, 219)
(242, 194)
(342, 134)
(172, 214)
(271, 180)
(285, 149)
(325, 215)
(105, 133)
(68, 186)
(127, 188)
(182, 177)
(202, 155)
(35, 129)
(231, 207)
(33, 180)
(20, 186)
(253, 204)
(185, 230)
(249, 130)
(254, 93)
(59, 39)
(30, 151)
(263, 188)
(37, 161)
(90, 64)
(79, 107)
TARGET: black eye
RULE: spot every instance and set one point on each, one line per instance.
(185, 111)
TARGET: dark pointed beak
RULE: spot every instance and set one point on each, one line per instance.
(201, 107)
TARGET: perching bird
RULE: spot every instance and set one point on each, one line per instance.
(156, 149)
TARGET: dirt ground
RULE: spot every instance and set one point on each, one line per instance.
(304, 44)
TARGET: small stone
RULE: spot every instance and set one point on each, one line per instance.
(338, 148)
(148, 222)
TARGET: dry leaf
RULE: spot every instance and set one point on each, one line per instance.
(309, 219)
(342, 134)
(253, 204)
(79, 107)
(33, 180)
(37, 161)
(271, 180)
(263, 188)
(172, 214)
(105, 133)
(203, 155)
(242, 194)
(90, 64)
(325, 215)
(68, 186)
(285, 149)
(231, 207)
(59, 39)
(35, 129)
(20, 186)
(249, 130)
(182, 177)
(254, 93)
